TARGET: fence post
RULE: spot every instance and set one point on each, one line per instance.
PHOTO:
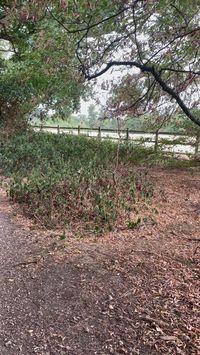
(99, 132)
(41, 127)
(79, 130)
(156, 142)
(58, 129)
(197, 144)
(127, 134)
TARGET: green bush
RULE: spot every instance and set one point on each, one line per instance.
(67, 180)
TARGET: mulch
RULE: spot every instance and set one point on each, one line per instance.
(126, 292)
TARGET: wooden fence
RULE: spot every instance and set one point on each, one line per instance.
(158, 139)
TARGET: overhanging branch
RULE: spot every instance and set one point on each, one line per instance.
(193, 72)
(157, 76)
(88, 27)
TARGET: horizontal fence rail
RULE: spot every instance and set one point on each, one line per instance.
(166, 141)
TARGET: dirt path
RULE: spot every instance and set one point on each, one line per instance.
(132, 292)
(18, 310)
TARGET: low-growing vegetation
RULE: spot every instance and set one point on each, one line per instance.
(76, 181)
(62, 180)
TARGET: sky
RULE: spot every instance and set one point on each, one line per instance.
(102, 94)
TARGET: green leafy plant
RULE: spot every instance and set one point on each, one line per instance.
(66, 180)
(134, 224)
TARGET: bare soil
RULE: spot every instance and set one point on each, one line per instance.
(128, 292)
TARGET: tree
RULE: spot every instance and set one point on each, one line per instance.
(92, 115)
(186, 126)
(39, 69)
(159, 38)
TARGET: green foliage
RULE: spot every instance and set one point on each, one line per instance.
(92, 116)
(134, 224)
(65, 180)
(62, 237)
(187, 127)
(41, 70)
(57, 44)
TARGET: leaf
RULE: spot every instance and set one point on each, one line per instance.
(62, 237)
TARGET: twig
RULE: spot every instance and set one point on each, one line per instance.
(43, 225)
(28, 262)
(127, 293)
(196, 250)
(193, 240)
(154, 320)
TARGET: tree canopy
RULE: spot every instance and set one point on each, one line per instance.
(37, 66)
(66, 42)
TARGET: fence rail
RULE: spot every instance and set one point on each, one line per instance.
(168, 141)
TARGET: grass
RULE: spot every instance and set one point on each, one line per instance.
(76, 181)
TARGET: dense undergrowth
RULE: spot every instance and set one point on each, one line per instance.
(72, 181)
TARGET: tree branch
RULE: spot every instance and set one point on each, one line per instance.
(179, 36)
(140, 99)
(148, 69)
(181, 71)
(87, 28)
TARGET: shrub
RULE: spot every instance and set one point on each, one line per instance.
(66, 180)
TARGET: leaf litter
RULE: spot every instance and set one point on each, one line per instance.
(139, 289)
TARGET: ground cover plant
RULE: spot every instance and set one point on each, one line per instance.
(138, 284)
(69, 181)
(62, 180)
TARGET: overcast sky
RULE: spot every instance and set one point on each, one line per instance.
(102, 94)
